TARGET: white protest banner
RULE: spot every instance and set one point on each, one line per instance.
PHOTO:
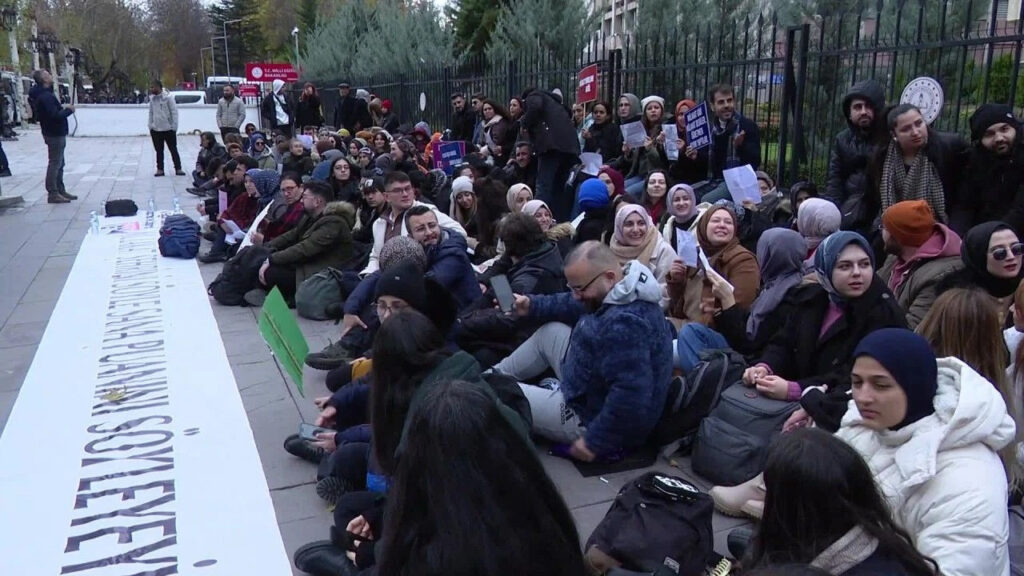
(686, 248)
(256, 225)
(128, 451)
(742, 184)
(698, 130)
(633, 134)
(671, 132)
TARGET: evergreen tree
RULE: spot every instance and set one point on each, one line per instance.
(473, 23)
(556, 29)
(245, 42)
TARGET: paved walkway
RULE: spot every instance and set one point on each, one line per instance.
(38, 244)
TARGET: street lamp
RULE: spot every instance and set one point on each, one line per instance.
(295, 34)
(202, 60)
(8, 18)
(227, 58)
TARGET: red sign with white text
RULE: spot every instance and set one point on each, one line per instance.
(248, 90)
(587, 89)
(270, 71)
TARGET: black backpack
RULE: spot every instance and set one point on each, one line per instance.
(239, 275)
(179, 237)
(692, 398)
(657, 520)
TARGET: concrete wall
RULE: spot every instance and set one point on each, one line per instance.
(133, 119)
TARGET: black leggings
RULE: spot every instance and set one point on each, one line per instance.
(284, 278)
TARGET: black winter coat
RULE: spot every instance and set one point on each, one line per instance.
(606, 140)
(345, 113)
(992, 189)
(852, 151)
(732, 324)
(463, 124)
(749, 152)
(796, 353)
(309, 113)
(549, 124)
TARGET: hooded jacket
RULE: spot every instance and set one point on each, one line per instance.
(163, 112)
(53, 118)
(449, 265)
(934, 261)
(941, 475)
(992, 188)
(316, 243)
(852, 150)
(616, 372)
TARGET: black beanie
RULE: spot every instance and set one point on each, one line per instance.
(988, 114)
(910, 360)
(403, 281)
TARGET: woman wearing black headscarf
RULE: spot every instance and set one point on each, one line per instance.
(992, 256)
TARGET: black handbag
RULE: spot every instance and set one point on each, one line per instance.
(121, 207)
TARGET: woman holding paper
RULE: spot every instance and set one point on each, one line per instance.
(637, 238)
(684, 213)
(641, 158)
(692, 165)
(689, 283)
(603, 136)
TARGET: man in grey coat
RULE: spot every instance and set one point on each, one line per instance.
(163, 127)
(230, 112)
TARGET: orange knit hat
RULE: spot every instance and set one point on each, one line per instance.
(910, 223)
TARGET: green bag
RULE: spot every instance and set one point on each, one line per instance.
(317, 293)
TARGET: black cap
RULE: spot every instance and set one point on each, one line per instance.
(404, 281)
(988, 114)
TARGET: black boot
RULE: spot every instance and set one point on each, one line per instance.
(68, 195)
(57, 199)
(322, 558)
(298, 446)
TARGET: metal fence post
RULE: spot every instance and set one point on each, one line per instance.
(788, 90)
(510, 78)
(799, 149)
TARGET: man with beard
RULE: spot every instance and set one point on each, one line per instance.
(610, 347)
(462, 119)
(735, 140)
(521, 167)
(447, 261)
(345, 109)
(992, 187)
(852, 151)
(922, 253)
(230, 112)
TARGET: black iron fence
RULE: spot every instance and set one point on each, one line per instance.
(789, 79)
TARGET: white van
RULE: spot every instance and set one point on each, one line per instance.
(189, 97)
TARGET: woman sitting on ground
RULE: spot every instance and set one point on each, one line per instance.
(518, 195)
(683, 215)
(822, 508)
(992, 255)
(298, 159)
(637, 238)
(344, 178)
(692, 298)
(654, 194)
(559, 233)
(780, 254)
(930, 431)
(816, 219)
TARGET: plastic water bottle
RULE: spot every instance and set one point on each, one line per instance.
(152, 204)
(177, 204)
(94, 220)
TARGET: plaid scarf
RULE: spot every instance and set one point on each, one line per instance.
(920, 182)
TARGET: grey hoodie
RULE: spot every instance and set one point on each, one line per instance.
(638, 283)
(163, 112)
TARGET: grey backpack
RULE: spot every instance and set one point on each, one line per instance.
(318, 292)
(733, 440)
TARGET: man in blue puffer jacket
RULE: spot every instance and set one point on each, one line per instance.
(610, 347)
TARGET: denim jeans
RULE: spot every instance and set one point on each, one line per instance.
(55, 167)
(553, 171)
(693, 339)
(635, 186)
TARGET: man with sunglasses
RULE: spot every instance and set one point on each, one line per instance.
(922, 253)
(610, 347)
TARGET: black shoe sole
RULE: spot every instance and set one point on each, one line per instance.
(318, 363)
(331, 488)
(300, 448)
(337, 565)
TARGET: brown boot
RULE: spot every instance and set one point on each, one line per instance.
(739, 501)
(57, 199)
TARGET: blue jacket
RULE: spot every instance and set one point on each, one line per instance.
(448, 264)
(53, 118)
(616, 373)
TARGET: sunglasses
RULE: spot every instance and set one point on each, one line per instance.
(1001, 254)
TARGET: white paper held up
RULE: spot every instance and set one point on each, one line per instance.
(592, 162)
(671, 132)
(711, 272)
(686, 248)
(256, 224)
(634, 134)
(742, 184)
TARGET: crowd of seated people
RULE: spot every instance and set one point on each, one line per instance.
(887, 308)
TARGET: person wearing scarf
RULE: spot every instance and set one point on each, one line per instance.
(816, 219)
(991, 253)
(559, 233)
(286, 212)
(654, 194)
(462, 187)
(651, 156)
(780, 255)
(693, 167)
(518, 195)
(614, 180)
(642, 242)
(595, 206)
(919, 163)
(810, 358)
(684, 213)
(691, 290)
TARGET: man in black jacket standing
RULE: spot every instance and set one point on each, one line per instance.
(993, 184)
(549, 125)
(462, 120)
(853, 149)
(345, 109)
(53, 120)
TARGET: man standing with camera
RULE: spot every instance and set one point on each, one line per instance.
(53, 119)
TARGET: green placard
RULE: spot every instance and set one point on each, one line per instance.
(282, 333)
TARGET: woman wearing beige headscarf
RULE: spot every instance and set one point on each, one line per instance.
(637, 238)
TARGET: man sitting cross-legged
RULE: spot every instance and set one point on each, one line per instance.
(610, 347)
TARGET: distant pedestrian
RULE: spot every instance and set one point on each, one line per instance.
(163, 127)
(53, 120)
(276, 111)
(230, 112)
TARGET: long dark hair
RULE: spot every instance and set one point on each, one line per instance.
(407, 347)
(470, 496)
(818, 488)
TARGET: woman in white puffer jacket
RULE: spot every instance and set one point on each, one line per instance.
(929, 430)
